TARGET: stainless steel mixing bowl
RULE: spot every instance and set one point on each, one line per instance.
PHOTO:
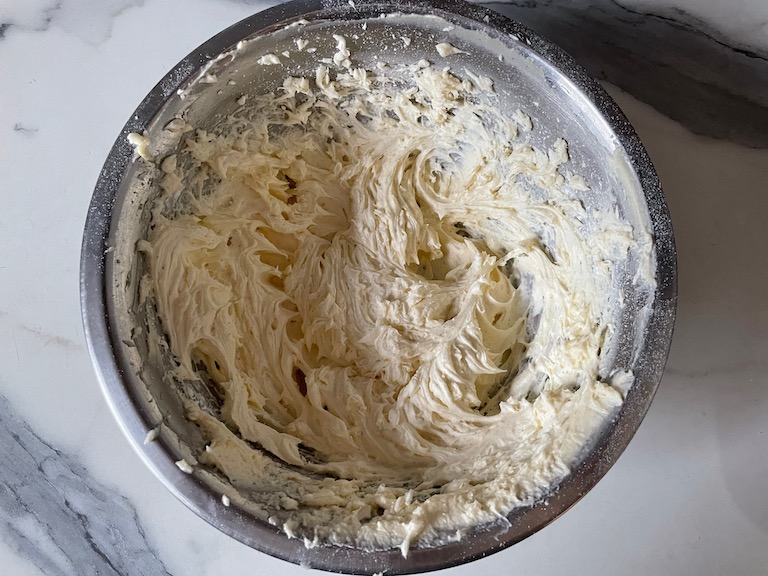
(529, 72)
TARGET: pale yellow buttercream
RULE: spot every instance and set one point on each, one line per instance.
(391, 289)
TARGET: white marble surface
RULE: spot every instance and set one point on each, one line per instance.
(688, 496)
(739, 23)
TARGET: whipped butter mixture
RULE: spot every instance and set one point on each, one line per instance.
(400, 303)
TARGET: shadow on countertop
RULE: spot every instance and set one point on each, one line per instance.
(715, 387)
(675, 64)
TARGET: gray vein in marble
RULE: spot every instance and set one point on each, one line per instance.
(47, 338)
(15, 346)
(681, 70)
(90, 21)
(738, 23)
(722, 369)
(24, 129)
(32, 15)
(58, 517)
(680, 17)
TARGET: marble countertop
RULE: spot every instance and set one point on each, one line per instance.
(689, 494)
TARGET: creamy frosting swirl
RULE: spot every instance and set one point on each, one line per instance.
(392, 292)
